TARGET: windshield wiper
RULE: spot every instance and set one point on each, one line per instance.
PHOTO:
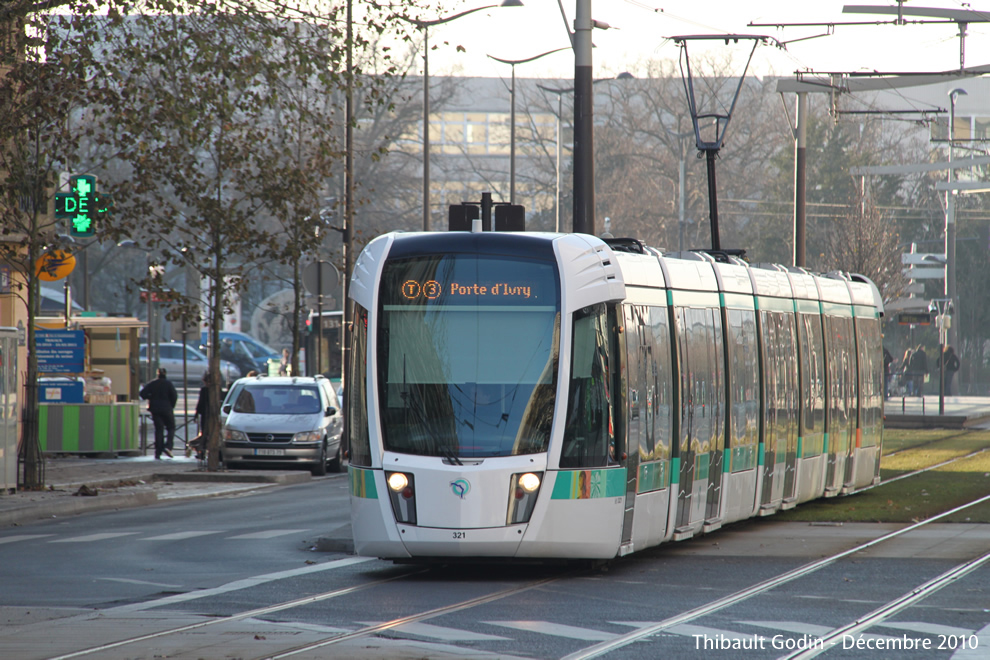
(450, 456)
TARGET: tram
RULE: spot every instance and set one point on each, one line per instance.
(529, 396)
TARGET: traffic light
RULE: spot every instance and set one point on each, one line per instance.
(83, 206)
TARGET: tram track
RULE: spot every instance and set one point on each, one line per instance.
(597, 650)
(366, 631)
(712, 607)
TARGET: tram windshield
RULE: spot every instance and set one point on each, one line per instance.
(467, 355)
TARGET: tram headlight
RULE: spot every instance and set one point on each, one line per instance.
(523, 491)
(397, 481)
(529, 482)
(402, 493)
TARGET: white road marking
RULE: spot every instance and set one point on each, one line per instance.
(93, 537)
(177, 536)
(237, 585)
(269, 534)
(688, 630)
(152, 584)
(977, 651)
(23, 537)
(556, 629)
(440, 632)
(929, 628)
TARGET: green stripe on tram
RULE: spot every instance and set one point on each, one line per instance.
(589, 484)
(362, 483)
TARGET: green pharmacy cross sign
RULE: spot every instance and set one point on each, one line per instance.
(83, 206)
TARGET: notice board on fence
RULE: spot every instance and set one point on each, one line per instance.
(60, 351)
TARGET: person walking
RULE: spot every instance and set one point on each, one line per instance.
(285, 365)
(950, 360)
(162, 397)
(888, 370)
(919, 369)
(906, 374)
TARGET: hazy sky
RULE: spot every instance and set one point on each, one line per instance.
(641, 30)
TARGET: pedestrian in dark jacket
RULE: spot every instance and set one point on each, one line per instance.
(919, 368)
(161, 396)
(950, 360)
(203, 416)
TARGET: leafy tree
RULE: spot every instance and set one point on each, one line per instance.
(201, 109)
(36, 98)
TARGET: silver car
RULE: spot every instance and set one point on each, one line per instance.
(170, 357)
(283, 421)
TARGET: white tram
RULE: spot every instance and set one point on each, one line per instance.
(528, 395)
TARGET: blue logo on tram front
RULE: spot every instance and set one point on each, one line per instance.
(460, 487)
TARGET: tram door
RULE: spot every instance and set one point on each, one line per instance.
(701, 438)
(840, 424)
(636, 396)
(780, 406)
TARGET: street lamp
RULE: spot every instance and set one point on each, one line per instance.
(512, 115)
(425, 26)
(950, 212)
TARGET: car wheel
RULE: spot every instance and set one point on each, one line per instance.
(338, 460)
(320, 468)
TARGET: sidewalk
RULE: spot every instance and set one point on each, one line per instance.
(912, 412)
(120, 483)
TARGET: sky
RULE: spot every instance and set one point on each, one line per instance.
(641, 30)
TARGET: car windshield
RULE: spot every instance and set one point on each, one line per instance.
(265, 399)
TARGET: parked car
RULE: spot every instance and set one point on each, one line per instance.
(245, 351)
(197, 364)
(283, 421)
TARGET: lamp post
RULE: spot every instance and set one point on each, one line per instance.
(425, 26)
(950, 212)
(512, 115)
(942, 308)
(584, 153)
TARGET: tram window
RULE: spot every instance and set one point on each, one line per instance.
(660, 384)
(744, 385)
(467, 370)
(812, 376)
(359, 440)
(588, 433)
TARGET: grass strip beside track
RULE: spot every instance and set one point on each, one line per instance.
(920, 496)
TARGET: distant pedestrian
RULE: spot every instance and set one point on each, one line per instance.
(951, 362)
(919, 368)
(906, 375)
(285, 364)
(162, 397)
(888, 362)
(204, 416)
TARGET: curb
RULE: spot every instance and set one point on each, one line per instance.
(67, 506)
(231, 477)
